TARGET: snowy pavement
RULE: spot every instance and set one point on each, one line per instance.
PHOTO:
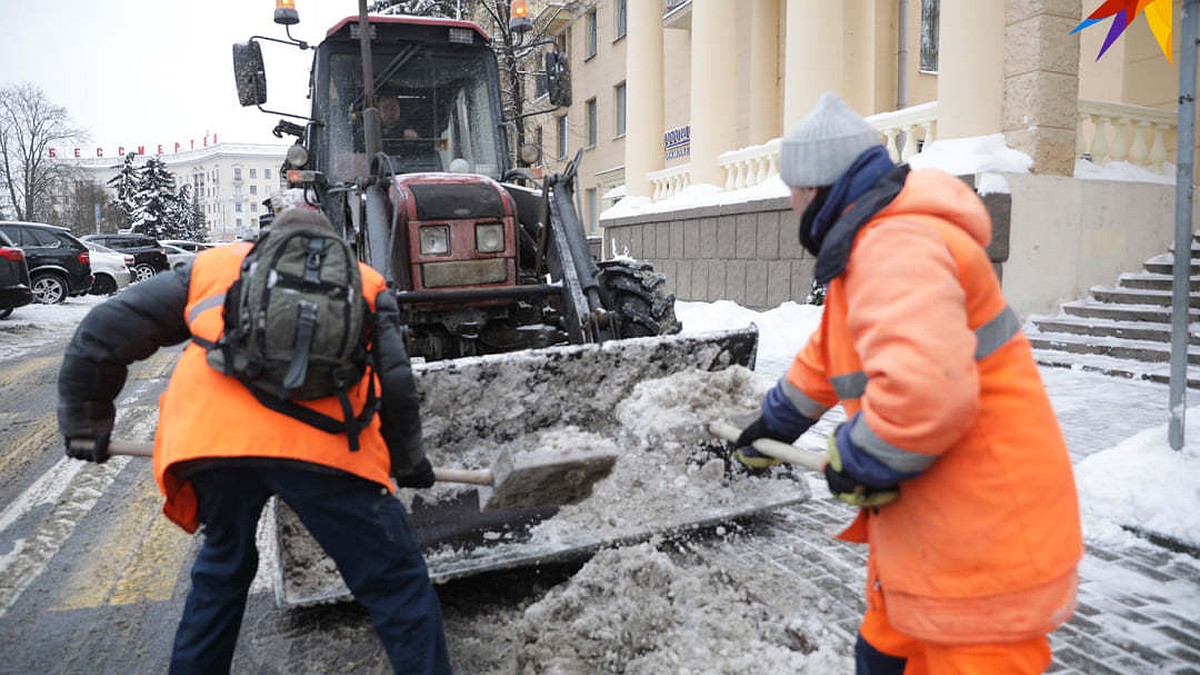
(781, 586)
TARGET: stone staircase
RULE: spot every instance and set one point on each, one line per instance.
(1123, 330)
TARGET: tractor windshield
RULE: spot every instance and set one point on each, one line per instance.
(435, 108)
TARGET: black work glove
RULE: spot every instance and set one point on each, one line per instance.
(750, 457)
(420, 477)
(86, 427)
(846, 488)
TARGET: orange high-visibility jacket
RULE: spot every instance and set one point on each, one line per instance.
(204, 414)
(916, 335)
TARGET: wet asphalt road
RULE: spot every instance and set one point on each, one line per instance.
(93, 578)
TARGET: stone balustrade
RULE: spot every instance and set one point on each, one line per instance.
(1120, 132)
(906, 131)
(670, 181)
(746, 167)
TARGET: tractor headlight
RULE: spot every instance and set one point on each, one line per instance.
(435, 240)
(489, 237)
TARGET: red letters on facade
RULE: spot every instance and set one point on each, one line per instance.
(141, 149)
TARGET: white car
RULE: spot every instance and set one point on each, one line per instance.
(110, 269)
(191, 246)
(176, 256)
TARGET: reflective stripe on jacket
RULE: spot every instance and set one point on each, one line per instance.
(917, 337)
(204, 414)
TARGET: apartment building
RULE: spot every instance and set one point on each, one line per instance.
(229, 180)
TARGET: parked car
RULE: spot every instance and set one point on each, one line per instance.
(176, 256)
(110, 268)
(14, 278)
(59, 264)
(149, 257)
(190, 246)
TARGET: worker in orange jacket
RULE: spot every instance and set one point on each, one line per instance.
(950, 449)
(220, 454)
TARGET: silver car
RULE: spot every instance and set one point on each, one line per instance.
(111, 269)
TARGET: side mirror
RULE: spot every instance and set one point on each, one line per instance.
(249, 73)
(558, 79)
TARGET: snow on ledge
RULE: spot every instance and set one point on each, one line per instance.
(1124, 171)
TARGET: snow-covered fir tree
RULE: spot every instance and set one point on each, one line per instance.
(127, 183)
(450, 9)
(155, 200)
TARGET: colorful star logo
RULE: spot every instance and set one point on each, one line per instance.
(1158, 15)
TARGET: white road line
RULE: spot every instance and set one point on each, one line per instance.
(71, 494)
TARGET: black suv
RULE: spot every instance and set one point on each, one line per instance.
(59, 264)
(14, 278)
(149, 257)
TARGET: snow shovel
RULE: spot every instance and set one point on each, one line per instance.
(533, 479)
(808, 459)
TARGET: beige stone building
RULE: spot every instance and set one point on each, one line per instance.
(673, 93)
(229, 180)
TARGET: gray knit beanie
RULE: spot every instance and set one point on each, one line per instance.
(298, 216)
(824, 144)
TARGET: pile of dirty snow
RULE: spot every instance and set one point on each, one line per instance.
(638, 610)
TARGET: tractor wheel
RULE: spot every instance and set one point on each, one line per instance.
(637, 294)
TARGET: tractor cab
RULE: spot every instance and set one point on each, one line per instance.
(434, 88)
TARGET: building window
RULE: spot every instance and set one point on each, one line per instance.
(540, 145)
(266, 174)
(254, 173)
(929, 35)
(622, 15)
(253, 188)
(590, 110)
(237, 173)
(253, 207)
(619, 95)
(239, 223)
(562, 137)
(237, 206)
(590, 200)
(591, 34)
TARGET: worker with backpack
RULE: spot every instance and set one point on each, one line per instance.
(296, 383)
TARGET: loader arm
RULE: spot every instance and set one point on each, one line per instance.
(581, 290)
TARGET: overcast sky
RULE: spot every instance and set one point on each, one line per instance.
(144, 72)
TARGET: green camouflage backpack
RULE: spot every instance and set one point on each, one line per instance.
(295, 324)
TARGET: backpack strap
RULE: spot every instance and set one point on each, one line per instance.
(351, 425)
(306, 326)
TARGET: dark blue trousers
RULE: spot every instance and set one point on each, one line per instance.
(871, 661)
(362, 528)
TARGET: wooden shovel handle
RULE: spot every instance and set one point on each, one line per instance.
(808, 459)
(444, 475)
(470, 476)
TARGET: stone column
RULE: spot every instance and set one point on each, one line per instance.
(643, 95)
(1041, 82)
(813, 62)
(764, 71)
(970, 88)
(714, 85)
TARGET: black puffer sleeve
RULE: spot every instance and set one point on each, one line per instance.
(128, 327)
(400, 412)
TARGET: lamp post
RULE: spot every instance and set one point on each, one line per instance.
(1182, 269)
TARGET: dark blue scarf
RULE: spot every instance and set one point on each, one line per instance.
(864, 172)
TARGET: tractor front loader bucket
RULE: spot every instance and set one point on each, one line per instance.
(568, 398)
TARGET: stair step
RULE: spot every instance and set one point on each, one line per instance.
(1155, 282)
(1108, 328)
(1133, 296)
(1164, 263)
(1137, 350)
(1090, 308)
(1153, 372)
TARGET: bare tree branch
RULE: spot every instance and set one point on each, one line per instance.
(30, 124)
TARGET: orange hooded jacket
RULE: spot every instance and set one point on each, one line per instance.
(204, 414)
(916, 335)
